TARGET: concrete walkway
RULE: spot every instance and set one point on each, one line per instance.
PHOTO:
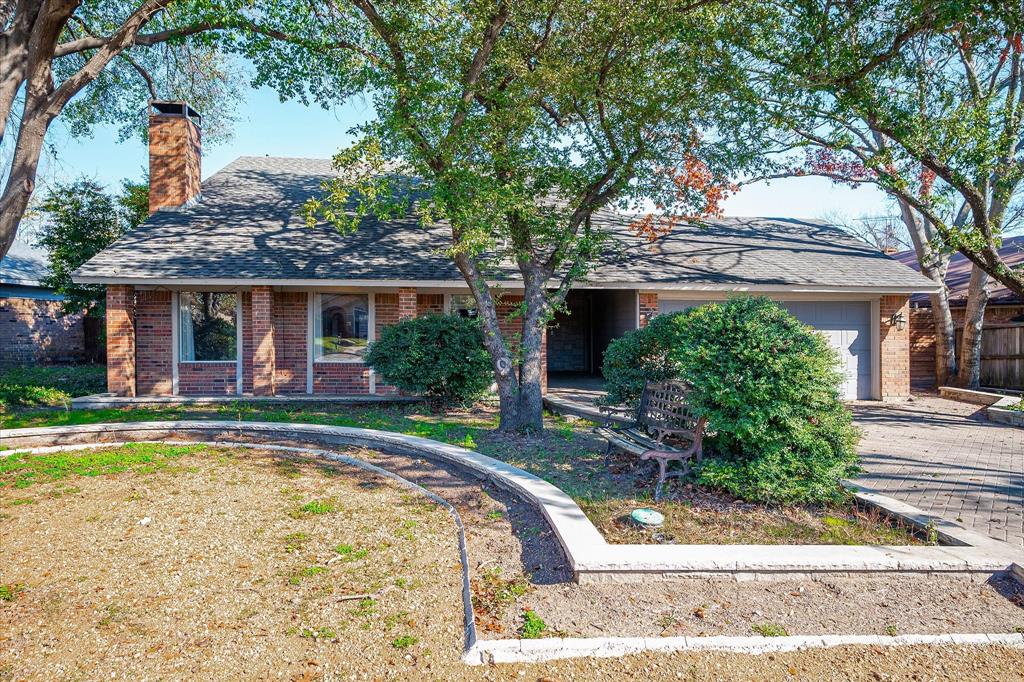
(945, 458)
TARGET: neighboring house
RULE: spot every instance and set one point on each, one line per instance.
(223, 290)
(33, 327)
(1002, 339)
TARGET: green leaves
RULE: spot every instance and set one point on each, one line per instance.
(439, 356)
(80, 219)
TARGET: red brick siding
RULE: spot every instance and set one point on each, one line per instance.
(429, 303)
(153, 343)
(894, 348)
(37, 331)
(340, 378)
(290, 325)
(263, 341)
(207, 378)
(247, 347)
(648, 308)
(406, 302)
(174, 161)
(385, 311)
(510, 322)
(121, 340)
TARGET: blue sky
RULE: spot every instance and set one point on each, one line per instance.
(267, 126)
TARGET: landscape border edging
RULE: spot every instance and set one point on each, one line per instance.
(486, 652)
(591, 558)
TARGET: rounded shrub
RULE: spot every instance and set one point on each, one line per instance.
(641, 355)
(441, 357)
(768, 386)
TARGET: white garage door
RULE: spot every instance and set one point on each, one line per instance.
(846, 325)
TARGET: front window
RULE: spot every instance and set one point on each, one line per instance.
(208, 326)
(342, 327)
(463, 305)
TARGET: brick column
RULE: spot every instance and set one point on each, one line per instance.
(648, 308)
(263, 360)
(544, 362)
(894, 348)
(406, 303)
(121, 340)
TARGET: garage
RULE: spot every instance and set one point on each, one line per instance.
(846, 325)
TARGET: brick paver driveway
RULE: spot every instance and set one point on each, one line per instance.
(945, 458)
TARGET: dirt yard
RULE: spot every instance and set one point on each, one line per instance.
(190, 562)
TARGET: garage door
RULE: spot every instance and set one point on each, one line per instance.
(846, 325)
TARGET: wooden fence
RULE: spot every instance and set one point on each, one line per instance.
(1002, 355)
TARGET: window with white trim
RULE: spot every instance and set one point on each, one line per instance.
(207, 326)
(463, 305)
(341, 327)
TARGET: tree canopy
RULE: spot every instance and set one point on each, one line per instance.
(80, 219)
(513, 123)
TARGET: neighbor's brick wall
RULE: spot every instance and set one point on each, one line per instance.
(174, 161)
(207, 378)
(153, 343)
(121, 340)
(429, 303)
(648, 308)
(894, 348)
(37, 331)
(290, 326)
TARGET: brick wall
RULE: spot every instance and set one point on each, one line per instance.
(121, 340)
(340, 378)
(263, 341)
(153, 343)
(37, 331)
(429, 303)
(648, 308)
(894, 348)
(290, 326)
(385, 311)
(247, 348)
(207, 378)
(174, 161)
(406, 303)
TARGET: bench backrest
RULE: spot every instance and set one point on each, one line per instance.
(665, 405)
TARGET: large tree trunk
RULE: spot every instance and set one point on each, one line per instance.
(531, 398)
(933, 265)
(969, 375)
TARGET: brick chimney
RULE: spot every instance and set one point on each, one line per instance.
(175, 152)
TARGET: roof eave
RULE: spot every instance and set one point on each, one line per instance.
(640, 285)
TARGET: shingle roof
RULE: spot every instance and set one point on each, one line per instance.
(958, 275)
(248, 226)
(24, 265)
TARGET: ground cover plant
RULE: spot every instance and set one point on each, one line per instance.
(568, 455)
(49, 385)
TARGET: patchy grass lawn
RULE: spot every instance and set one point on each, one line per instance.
(567, 455)
(200, 562)
(49, 385)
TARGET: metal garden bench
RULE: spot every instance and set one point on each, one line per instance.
(666, 429)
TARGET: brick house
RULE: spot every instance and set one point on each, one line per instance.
(33, 326)
(1002, 353)
(224, 290)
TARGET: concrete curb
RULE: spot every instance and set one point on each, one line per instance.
(539, 650)
(997, 405)
(592, 559)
